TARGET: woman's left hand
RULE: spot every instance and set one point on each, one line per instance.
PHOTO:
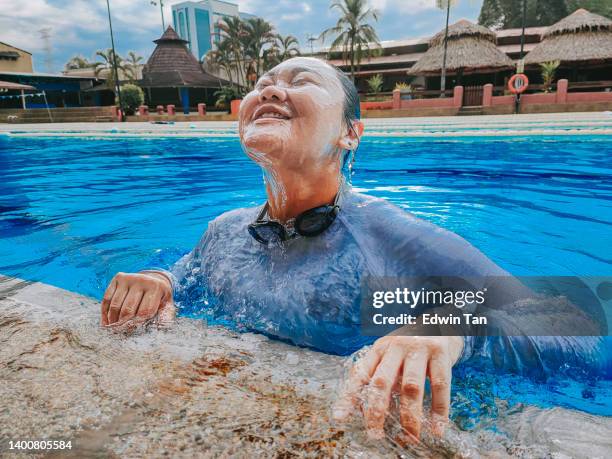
(401, 363)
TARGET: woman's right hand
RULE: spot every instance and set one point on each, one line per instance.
(134, 299)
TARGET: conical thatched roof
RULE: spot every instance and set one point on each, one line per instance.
(581, 36)
(471, 48)
(173, 65)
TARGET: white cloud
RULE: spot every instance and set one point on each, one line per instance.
(75, 22)
(402, 6)
(291, 17)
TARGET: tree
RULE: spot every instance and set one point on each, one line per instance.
(132, 97)
(106, 64)
(247, 47)
(375, 83)
(601, 7)
(222, 57)
(225, 95)
(131, 65)
(233, 33)
(258, 34)
(444, 5)
(507, 14)
(354, 36)
(282, 49)
(548, 74)
(78, 62)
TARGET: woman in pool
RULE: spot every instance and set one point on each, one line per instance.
(293, 267)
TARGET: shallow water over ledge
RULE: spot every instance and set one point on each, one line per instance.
(194, 390)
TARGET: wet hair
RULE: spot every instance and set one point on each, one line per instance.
(352, 112)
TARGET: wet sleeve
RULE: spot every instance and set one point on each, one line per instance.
(187, 275)
(541, 356)
(439, 252)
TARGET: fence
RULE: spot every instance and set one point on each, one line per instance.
(483, 98)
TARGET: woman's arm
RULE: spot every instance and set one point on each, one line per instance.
(415, 248)
(133, 299)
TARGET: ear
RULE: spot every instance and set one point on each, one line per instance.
(350, 140)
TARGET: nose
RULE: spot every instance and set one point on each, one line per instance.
(272, 92)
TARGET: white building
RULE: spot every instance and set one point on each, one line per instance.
(197, 22)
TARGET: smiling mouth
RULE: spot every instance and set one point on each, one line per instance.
(270, 113)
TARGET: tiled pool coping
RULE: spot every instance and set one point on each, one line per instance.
(501, 125)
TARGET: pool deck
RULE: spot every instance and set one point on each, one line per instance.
(197, 391)
(589, 123)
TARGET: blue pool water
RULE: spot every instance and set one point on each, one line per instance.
(75, 211)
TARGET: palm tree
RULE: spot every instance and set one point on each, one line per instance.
(106, 64)
(354, 37)
(78, 62)
(222, 57)
(444, 5)
(234, 34)
(548, 70)
(282, 49)
(289, 46)
(258, 35)
(131, 63)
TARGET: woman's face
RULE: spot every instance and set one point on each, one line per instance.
(293, 117)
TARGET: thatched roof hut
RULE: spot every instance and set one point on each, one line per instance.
(582, 36)
(173, 65)
(471, 49)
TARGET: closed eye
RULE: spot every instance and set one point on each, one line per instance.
(263, 83)
(303, 79)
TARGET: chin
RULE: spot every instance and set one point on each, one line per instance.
(266, 140)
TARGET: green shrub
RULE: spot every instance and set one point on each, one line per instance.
(548, 70)
(225, 95)
(404, 87)
(132, 97)
(375, 83)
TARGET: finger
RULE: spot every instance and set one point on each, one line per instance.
(128, 326)
(150, 304)
(115, 304)
(440, 375)
(166, 314)
(106, 299)
(129, 308)
(411, 395)
(379, 390)
(359, 376)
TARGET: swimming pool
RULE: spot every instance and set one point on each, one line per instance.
(74, 211)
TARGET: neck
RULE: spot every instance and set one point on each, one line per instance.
(292, 192)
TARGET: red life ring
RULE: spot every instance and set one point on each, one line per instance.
(522, 82)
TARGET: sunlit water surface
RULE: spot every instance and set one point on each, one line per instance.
(75, 211)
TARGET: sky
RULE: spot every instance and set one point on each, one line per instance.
(81, 26)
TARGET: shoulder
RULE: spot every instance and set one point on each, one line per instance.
(414, 243)
(386, 218)
(233, 221)
(228, 225)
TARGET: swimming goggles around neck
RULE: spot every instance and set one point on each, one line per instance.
(309, 223)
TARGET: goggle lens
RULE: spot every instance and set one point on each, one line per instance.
(268, 232)
(314, 221)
